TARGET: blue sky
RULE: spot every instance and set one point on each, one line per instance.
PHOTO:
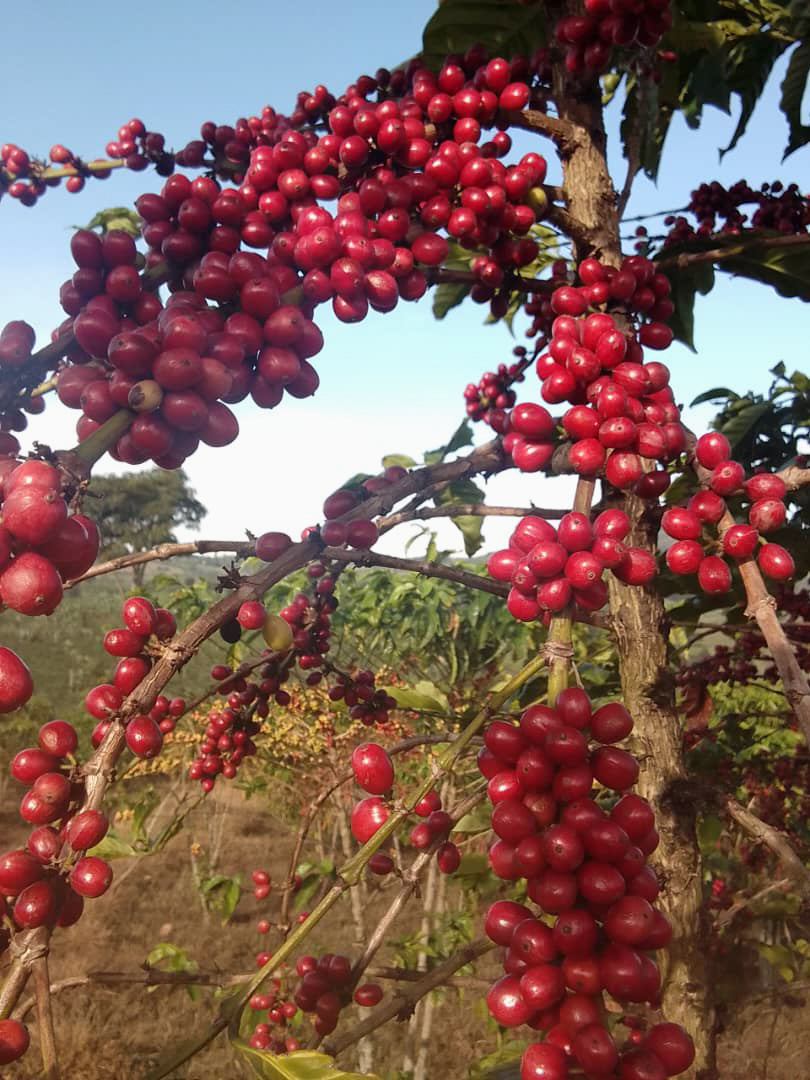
(75, 72)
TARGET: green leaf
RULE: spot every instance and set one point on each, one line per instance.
(424, 695)
(398, 459)
(709, 830)
(785, 268)
(750, 61)
(740, 424)
(793, 89)
(355, 483)
(447, 296)
(113, 847)
(312, 877)
(221, 894)
(498, 1063)
(463, 490)
(719, 393)
(461, 437)
(170, 957)
(470, 527)
(644, 126)
(687, 281)
(115, 217)
(301, 1065)
(504, 28)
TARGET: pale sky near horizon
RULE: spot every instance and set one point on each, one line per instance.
(392, 383)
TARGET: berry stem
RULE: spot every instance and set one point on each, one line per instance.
(103, 438)
(406, 999)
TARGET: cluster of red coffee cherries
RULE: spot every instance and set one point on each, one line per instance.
(374, 772)
(404, 170)
(590, 38)
(549, 568)
(766, 513)
(145, 633)
(175, 367)
(325, 988)
(717, 209)
(228, 736)
(41, 543)
(491, 398)
(25, 177)
(586, 865)
(367, 703)
(270, 1034)
(45, 883)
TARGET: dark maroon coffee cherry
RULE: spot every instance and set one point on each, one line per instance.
(562, 848)
(594, 1048)
(555, 891)
(506, 1003)
(611, 723)
(629, 920)
(542, 985)
(35, 906)
(143, 737)
(634, 815)
(672, 1046)
(86, 829)
(502, 918)
(18, 870)
(575, 933)
(90, 876)
(615, 769)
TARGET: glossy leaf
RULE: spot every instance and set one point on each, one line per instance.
(301, 1065)
(794, 87)
(505, 29)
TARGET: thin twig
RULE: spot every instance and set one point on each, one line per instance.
(466, 510)
(163, 551)
(736, 247)
(410, 882)
(776, 841)
(402, 1005)
(729, 914)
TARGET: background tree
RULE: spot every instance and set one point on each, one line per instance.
(140, 510)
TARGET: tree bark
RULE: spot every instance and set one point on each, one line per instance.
(641, 631)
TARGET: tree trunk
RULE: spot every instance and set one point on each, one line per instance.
(642, 635)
